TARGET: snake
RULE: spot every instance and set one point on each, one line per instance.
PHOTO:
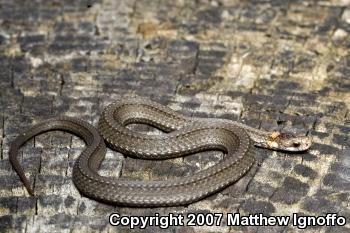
(182, 135)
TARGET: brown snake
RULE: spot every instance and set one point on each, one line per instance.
(184, 136)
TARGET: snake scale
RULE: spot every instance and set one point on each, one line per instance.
(183, 136)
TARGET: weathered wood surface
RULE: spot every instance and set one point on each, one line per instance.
(271, 64)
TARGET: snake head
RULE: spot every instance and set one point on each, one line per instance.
(289, 142)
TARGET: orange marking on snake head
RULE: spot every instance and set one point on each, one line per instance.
(275, 135)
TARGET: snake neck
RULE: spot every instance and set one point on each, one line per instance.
(273, 140)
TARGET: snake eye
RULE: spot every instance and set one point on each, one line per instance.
(296, 144)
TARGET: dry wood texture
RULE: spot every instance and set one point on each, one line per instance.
(274, 64)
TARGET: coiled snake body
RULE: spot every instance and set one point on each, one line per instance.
(184, 135)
